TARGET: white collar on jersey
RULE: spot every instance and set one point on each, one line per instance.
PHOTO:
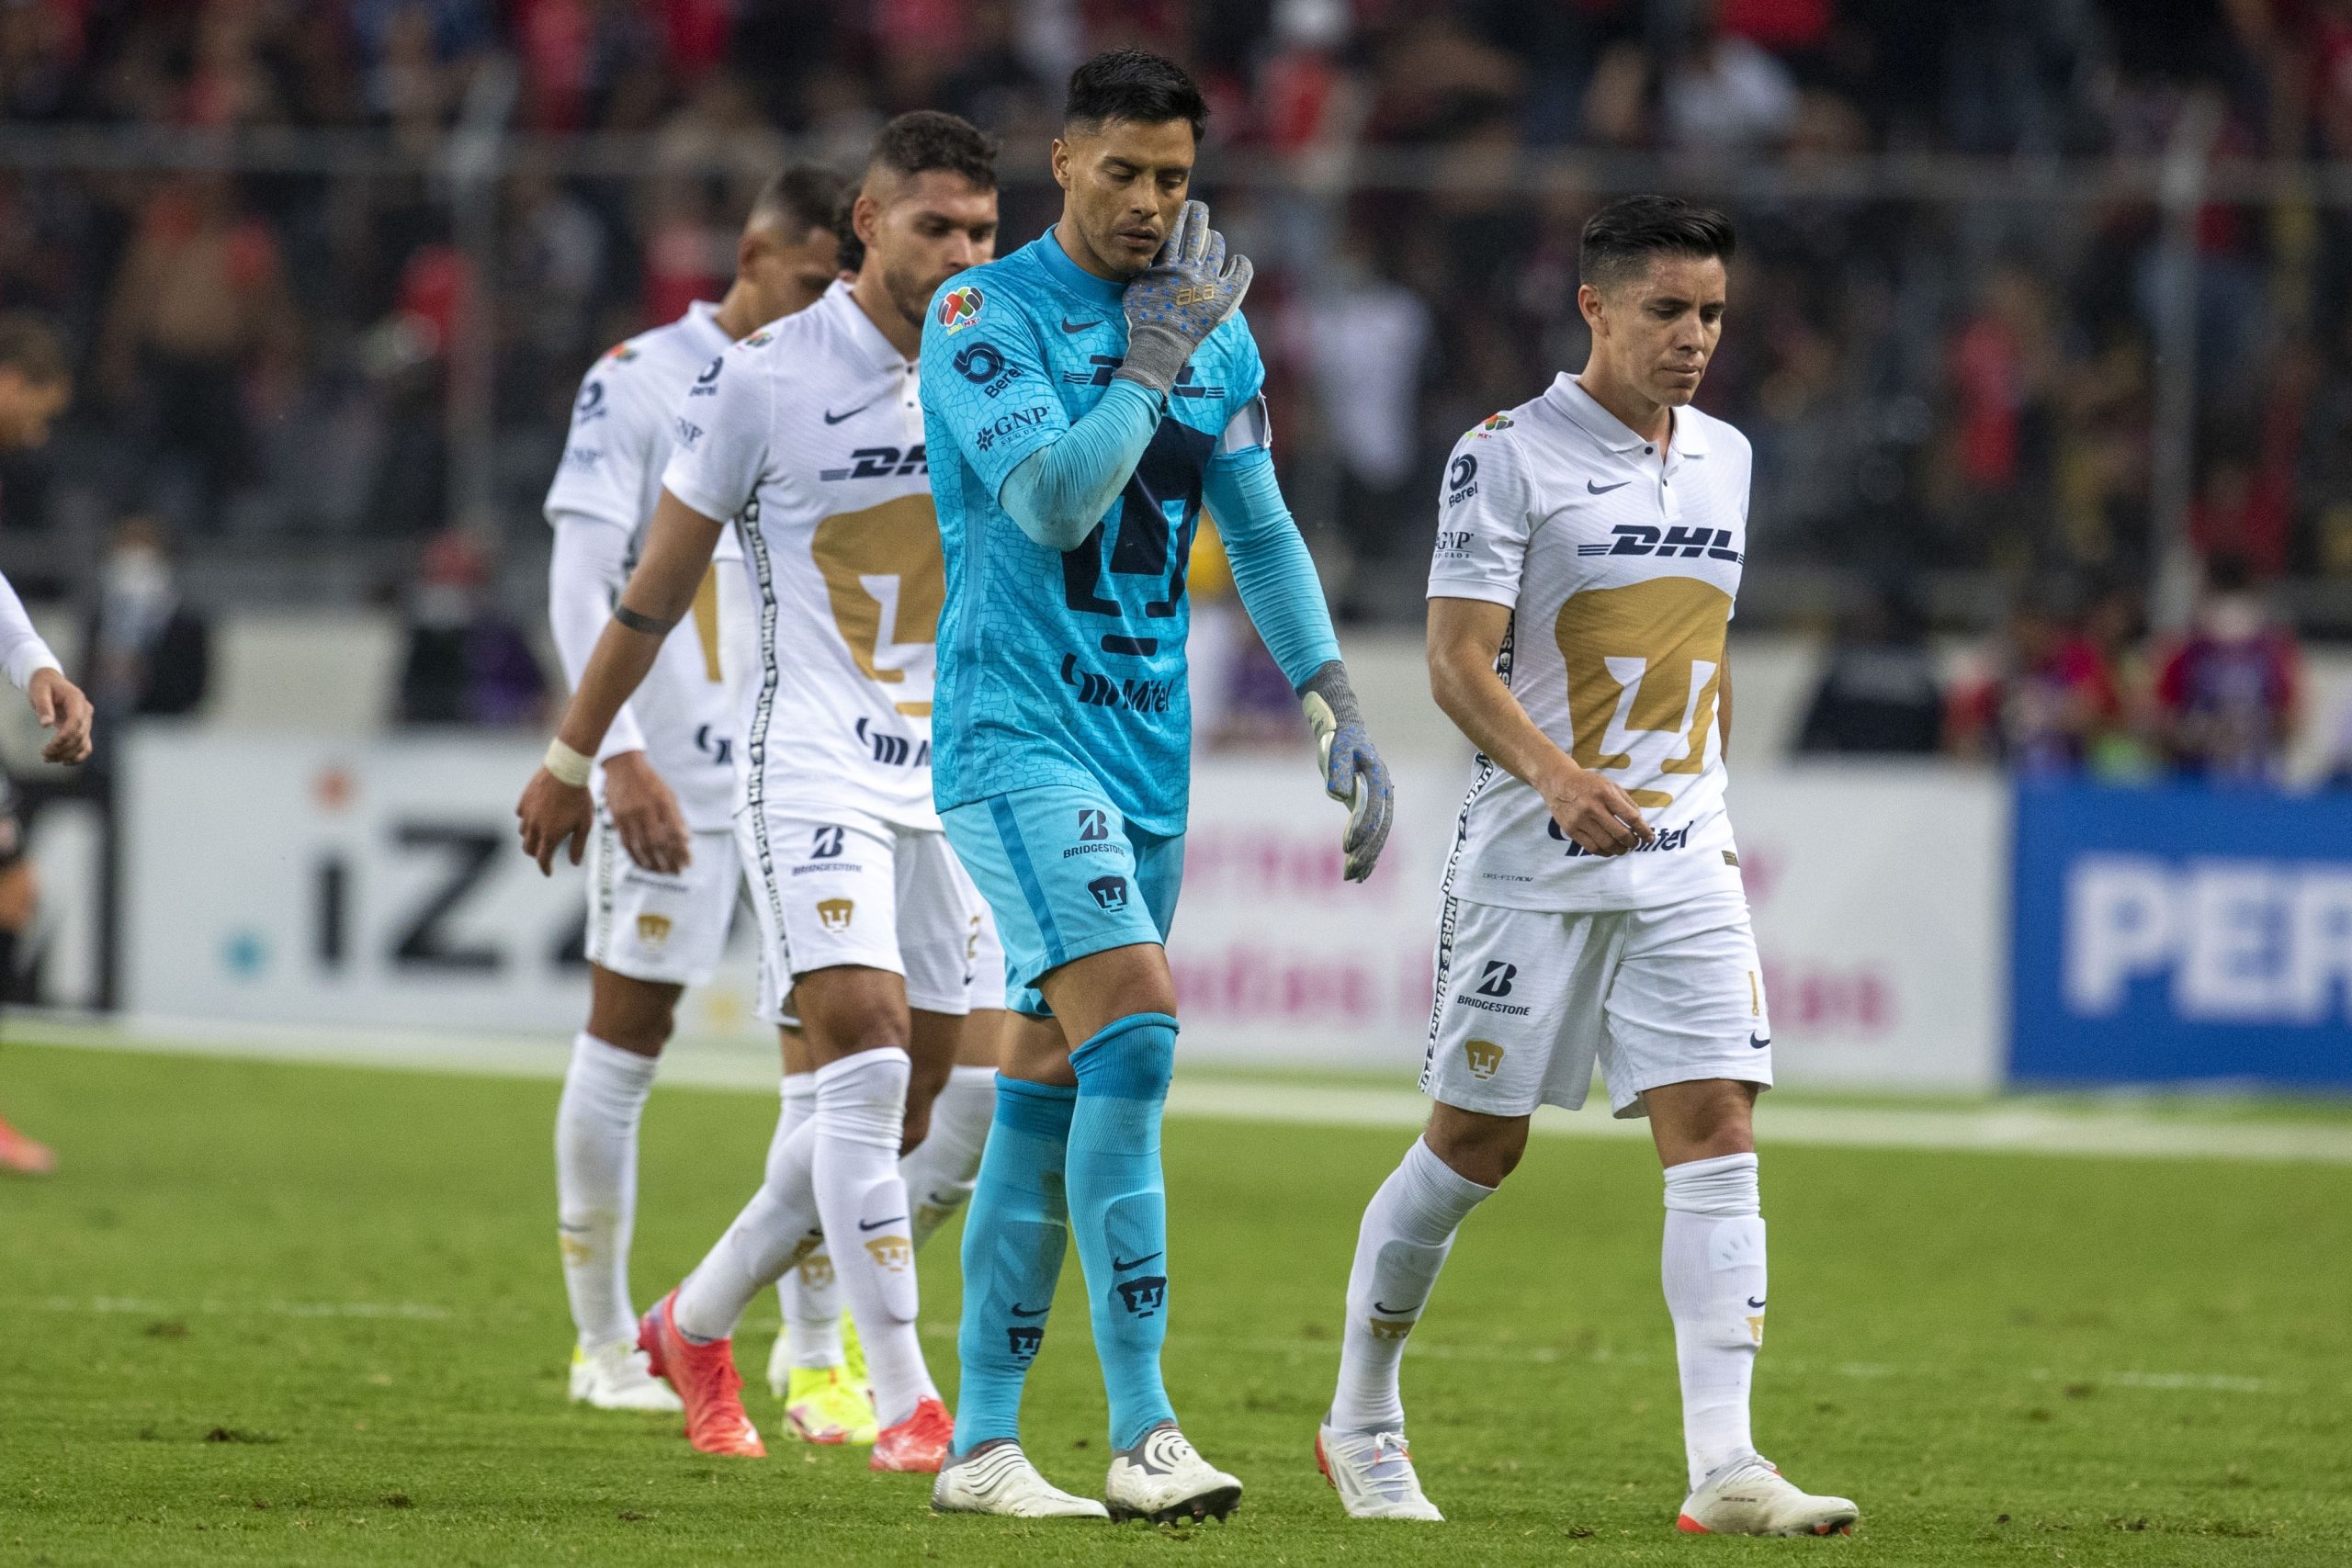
(879, 351)
(1688, 440)
(702, 316)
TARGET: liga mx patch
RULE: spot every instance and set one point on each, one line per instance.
(959, 308)
(1492, 424)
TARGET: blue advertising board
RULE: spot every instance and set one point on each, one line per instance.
(2181, 934)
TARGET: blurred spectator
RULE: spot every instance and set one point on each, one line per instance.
(1880, 691)
(467, 663)
(1367, 339)
(199, 305)
(2050, 698)
(1725, 93)
(2229, 695)
(149, 654)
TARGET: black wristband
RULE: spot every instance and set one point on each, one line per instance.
(645, 624)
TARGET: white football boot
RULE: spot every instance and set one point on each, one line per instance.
(1163, 1478)
(1748, 1496)
(618, 1377)
(1373, 1473)
(997, 1478)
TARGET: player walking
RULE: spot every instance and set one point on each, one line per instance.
(809, 434)
(663, 873)
(1084, 396)
(1588, 551)
(35, 383)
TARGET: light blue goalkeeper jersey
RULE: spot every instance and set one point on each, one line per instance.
(1066, 668)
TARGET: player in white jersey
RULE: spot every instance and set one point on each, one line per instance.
(663, 873)
(811, 440)
(1588, 551)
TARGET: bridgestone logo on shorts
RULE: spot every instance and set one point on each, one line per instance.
(1483, 1005)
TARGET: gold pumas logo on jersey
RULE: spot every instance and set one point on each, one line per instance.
(1485, 1058)
(896, 1253)
(836, 913)
(653, 931)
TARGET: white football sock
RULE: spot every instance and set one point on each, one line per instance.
(940, 1173)
(595, 1183)
(775, 1230)
(861, 1113)
(811, 1306)
(1714, 1269)
(1408, 1229)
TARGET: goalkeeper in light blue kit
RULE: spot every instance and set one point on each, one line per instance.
(1084, 400)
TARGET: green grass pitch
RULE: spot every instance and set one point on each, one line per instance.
(276, 1313)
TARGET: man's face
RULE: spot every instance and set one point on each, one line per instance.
(1125, 184)
(28, 407)
(922, 229)
(787, 276)
(1658, 329)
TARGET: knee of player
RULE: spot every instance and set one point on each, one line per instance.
(1480, 1148)
(1134, 1058)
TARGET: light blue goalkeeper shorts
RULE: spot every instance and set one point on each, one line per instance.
(1066, 876)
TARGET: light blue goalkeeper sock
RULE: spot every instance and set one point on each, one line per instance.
(1119, 1211)
(1013, 1240)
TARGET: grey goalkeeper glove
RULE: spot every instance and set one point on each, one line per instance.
(1189, 290)
(1352, 771)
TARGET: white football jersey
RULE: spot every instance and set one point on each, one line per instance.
(623, 424)
(1620, 564)
(812, 440)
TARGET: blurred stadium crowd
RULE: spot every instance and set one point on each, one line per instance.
(1950, 366)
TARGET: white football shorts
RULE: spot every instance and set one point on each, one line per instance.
(849, 888)
(1528, 1001)
(983, 957)
(670, 929)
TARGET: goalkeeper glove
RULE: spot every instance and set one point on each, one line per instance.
(1352, 771)
(1184, 296)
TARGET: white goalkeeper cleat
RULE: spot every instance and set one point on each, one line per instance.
(618, 1377)
(997, 1478)
(1164, 1480)
(1373, 1473)
(1749, 1496)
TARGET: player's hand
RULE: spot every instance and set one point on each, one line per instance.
(553, 813)
(64, 712)
(645, 813)
(1352, 771)
(1186, 293)
(1596, 815)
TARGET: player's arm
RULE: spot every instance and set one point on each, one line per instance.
(1465, 636)
(1276, 577)
(555, 809)
(586, 576)
(33, 670)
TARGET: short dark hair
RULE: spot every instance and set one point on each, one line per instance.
(1620, 239)
(801, 198)
(1134, 84)
(924, 139)
(33, 348)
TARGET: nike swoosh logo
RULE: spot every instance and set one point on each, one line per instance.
(1071, 326)
(1020, 1311)
(1755, 1044)
(1118, 1265)
(1756, 1304)
(833, 418)
(1604, 490)
(879, 1223)
(1393, 1312)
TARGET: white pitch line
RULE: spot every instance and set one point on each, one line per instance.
(2006, 1127)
